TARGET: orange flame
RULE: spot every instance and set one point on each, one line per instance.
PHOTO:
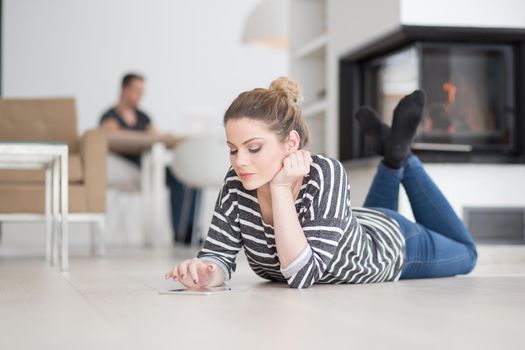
(451, 90)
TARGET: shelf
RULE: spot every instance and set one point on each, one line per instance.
(315, 48)
(309, 43)
(315, 108)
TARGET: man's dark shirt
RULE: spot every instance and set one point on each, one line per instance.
(143, 121)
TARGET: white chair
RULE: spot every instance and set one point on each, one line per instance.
(124, 202)
(137, 199)
(201, 162)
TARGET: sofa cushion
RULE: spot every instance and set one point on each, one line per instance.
(75, 172)
(44, 119)
(29, 198)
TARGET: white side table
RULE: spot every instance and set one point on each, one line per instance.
(53, 157)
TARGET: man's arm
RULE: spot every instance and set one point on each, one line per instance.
(110, 125)
(151, 130)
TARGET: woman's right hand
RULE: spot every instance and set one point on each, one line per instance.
(196, 273)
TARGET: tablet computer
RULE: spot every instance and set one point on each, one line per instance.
(203, 291)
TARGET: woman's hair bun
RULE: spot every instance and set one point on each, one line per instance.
(288, 86)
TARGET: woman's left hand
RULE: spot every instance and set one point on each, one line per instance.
(295, 166)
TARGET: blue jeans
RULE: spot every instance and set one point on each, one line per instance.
(438, 244)
(182, 199)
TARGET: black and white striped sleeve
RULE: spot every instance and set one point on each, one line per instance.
(326, 220)
(224, 235)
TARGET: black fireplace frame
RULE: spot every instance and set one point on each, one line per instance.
(352, 83)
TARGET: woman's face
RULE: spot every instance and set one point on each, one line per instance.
(256, 154)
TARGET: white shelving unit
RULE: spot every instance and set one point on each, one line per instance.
(315, 48)
(315, 108)
(309, 49)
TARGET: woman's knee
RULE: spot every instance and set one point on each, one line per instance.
(471, 264)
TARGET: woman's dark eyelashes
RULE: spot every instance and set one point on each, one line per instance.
(251, 150)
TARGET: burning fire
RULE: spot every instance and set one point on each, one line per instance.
(451, 90)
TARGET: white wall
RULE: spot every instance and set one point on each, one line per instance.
(352, 24)
(470, 13)
(189, 51)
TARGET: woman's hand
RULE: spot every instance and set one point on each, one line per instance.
(195, 273)
(295, 166)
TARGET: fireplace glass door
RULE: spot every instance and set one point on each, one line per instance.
(469, 90)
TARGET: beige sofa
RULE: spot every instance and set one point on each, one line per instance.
(22, 191)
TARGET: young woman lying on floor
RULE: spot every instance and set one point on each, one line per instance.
(291, 212)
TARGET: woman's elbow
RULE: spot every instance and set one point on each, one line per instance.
(299, 285)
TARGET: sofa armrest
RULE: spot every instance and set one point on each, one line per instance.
(93, 152)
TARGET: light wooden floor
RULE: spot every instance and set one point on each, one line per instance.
(113, 303)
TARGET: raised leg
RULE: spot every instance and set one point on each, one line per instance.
(430, 207)
(384, 191)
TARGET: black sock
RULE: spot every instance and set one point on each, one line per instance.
(371, 124)
(407, 115)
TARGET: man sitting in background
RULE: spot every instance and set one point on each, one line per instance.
(126, 118)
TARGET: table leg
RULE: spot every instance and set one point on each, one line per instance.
(101, 237)
(158, 178)
(49, 241)
(54, 207)
(146, 196)
(64, 207)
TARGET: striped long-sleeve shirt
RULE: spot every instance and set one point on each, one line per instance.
(345, 245)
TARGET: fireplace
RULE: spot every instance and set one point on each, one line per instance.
(473, 80)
